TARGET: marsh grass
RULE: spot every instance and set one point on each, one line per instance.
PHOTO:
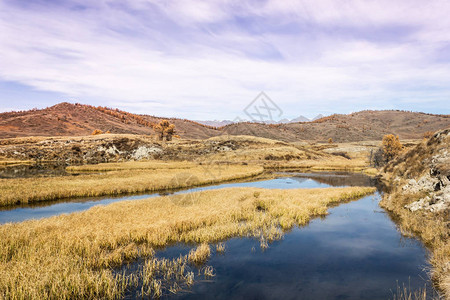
(132, 165)
(200, 255)
(432, 229)
(404, 292)
(220, 248)
(26, 190)
(74, 256)
(15, 162)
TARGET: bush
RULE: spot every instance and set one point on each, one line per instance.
(376, 158)
(96, 132)
(428, 134)
(391, 146)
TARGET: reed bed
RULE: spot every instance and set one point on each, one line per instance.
(133, 165)
(76, 255)
(27, 190)
(432, 229)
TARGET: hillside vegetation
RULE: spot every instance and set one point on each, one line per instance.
(420, 198)
(67, 119)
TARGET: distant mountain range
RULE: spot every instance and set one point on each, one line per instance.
(218, 123)
(67, 119)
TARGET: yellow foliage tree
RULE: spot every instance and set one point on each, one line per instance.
(391, 146)
(164, 128)
(97, 131)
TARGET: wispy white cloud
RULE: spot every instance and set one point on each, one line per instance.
(207, 59)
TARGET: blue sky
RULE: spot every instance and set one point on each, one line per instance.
(210, 59)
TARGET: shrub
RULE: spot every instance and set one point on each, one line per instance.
(391, 146)
(428, 134)
(96, 132)
(376, 158)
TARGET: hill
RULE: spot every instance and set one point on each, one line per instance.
(66, 119)
(359, 126)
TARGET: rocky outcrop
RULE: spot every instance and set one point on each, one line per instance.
(84, 150)
(419, 198)
(436, 182)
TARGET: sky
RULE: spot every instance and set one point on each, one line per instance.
(208, 60)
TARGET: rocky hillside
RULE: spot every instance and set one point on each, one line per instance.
(426, 168)
(419, 197)
(67, 119)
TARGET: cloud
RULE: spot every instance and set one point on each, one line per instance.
(200, 58)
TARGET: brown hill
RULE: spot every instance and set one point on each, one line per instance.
(364, 125)
(66, 119)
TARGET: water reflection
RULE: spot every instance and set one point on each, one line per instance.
(283, 181)
(354, 253)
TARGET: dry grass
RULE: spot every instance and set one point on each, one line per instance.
(72, 256)
(433, 229)
(200, 255)
(324, 164)
(26, 190)
(404, 292)
(274, 154)
(246, 138)
(15, 162)
(132, 165)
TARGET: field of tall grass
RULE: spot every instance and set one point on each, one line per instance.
(76, 255)
(131, 180)
(133, 165)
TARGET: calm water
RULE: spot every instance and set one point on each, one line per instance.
(356, 252)
(295, 180)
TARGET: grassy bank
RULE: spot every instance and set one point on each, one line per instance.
(419, 177)
(432, 228)
(133, 165)
(330, 164)
(72, 256)
(26, 190)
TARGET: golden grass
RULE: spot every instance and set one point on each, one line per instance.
(26, 190)
(246, 138)
(200, 255)
(15, 162)
(132, 165)
(278, 155)
(404, 292)
(72, 256)
(329, 163)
